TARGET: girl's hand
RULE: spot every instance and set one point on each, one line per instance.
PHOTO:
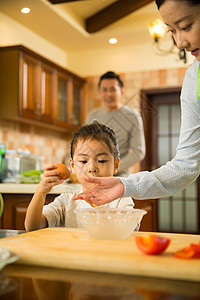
(50, 178)
(106, 190)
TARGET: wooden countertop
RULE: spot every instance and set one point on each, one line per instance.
(14, 188)
(73, 248)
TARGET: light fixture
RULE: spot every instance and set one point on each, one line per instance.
(158, 31)
(25, 10)
(113, 41)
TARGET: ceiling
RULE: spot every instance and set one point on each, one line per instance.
(87, 24)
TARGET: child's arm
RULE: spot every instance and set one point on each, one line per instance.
(34, 217)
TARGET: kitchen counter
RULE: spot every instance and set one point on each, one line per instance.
(62, 270)
(14, 188)
(75, 249)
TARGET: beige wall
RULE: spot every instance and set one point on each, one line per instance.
(13, 33)
(122, 60)
(88, 63)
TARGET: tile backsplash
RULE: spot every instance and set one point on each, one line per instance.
(52, 145)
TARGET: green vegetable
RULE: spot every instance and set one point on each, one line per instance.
(32, 173)
(32, 176)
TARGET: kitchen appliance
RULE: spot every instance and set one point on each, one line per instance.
(13, 164)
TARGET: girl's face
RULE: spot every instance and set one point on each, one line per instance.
(184, 23)
(93, 158)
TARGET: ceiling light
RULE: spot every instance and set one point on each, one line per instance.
(25, 10)
(113, 41)
(158, 30)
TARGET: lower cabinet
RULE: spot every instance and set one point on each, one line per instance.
(149, 221)
(15, 206)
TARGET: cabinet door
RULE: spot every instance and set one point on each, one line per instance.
(77, 103)
(29, 80)
(149, 221)
(46, 91)
(63, 96)
(15, 209)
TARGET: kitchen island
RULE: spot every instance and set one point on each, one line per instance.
(78, 266)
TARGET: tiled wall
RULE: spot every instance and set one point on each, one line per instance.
(54, 145)
(50, 144)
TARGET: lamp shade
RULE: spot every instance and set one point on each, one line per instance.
(157, 29)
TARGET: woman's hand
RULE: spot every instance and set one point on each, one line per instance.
(106, 190)
(50, 178)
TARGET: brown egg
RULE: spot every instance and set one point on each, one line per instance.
(64, 171)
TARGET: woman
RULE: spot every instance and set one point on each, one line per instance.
(182, 18)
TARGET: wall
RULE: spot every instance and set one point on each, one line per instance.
(13, 33)
(138, 57)
(49, 144)
(122, 60)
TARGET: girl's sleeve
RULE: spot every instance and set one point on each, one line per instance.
(54, 212)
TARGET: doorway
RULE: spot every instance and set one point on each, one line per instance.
(161, 115)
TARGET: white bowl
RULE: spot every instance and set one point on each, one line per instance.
(110, 223)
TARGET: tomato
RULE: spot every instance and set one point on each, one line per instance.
(152, 244)
(192, 251)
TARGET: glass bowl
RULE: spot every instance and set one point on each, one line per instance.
(110, 223)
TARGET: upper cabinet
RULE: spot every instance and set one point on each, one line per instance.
(36, 86)
(35, 90)
(63, 99)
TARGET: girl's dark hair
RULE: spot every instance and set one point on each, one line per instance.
(189, 2)
(111, 75)
(96, 131)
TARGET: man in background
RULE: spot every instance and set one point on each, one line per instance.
(126, 122)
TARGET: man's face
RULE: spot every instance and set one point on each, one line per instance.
(111, 93)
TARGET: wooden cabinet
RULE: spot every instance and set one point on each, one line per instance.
(77, 108)
(69, 112)
(149, 221)
(15, 206)
(39, 92)
(36, 81)
(63, 99)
